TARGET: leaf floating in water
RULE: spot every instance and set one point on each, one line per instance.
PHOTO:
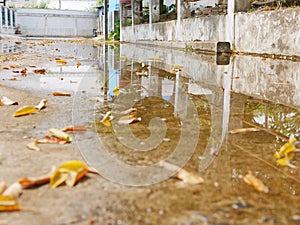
(155, 59)
(129, 119)
(78, 64)
(244, 130)
(62, 62)
(106, 119)
(286, 161)
(128, 111)
(116, 90)
(24, 72)
(8, 203)
(189, 178)
(178, 67)
(25, 110)
(122, 58)
(255, 182)
(61, 93)
(69, 173)
(6, 101)
(182, 174)
(74, 128)
(40, 71)
(33, 146)
(142, 73)
(60, 134)
(41, 105)
(286, 148)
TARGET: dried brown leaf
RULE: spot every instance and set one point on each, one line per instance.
(61, 93)
(74, 128)
(51, 140)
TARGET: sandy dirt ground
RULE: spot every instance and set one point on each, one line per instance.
(219, 200)
(94, 200)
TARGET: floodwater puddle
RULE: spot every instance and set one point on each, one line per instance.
(218, 120)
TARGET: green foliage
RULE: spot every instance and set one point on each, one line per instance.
(11, 5)
(100, 2)
(115, 35)
(43, 5)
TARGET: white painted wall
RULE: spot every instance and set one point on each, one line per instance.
(60, 23)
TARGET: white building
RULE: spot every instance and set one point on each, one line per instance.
(55, 4)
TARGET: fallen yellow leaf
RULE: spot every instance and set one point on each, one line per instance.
(69, 173)
(60, 134)
(8, 203)
(255, 182)
(33, 146)
(25, 110)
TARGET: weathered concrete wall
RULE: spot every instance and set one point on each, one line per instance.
(275, 32)
(204, 29)
(61, 23)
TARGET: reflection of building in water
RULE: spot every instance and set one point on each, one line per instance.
(9, 47)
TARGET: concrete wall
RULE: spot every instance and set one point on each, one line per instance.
(192, 29)
(272, 32)
(60, 23)
(275, 32)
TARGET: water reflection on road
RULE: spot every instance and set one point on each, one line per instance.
(188, 102)
(249, 92)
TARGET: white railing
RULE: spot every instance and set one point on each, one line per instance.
(7, 20)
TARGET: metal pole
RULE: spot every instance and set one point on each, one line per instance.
(105, 21)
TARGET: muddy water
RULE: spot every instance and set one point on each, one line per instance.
(185, 105)
(166, 91)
